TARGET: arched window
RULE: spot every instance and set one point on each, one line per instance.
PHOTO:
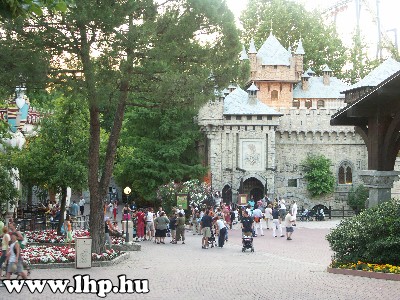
(345, 175)
(274, 95)
(320, 103)
(296, 103)
(308, 104)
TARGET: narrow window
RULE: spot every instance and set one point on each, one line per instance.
(259, 117)
(296, 103)
(274, 95)
(349, 175)
(308, 103)
(320, 103)
(341, 175)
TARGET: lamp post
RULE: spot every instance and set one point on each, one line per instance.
(127, 191)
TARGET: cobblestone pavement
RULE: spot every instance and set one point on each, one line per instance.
(278, 269)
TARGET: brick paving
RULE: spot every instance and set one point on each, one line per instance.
(279, 269)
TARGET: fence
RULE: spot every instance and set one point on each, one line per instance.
(331, 213)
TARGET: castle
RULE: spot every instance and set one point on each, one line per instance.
(257, 138)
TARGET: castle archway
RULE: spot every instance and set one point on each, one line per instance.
(253, 187)
(227, 194)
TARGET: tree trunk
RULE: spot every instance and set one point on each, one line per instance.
(29, 195)
(62, 209)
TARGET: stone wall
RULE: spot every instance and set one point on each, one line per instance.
(304, 132)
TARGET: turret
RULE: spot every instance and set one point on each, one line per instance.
(252, 91)
(326, 75)
(243, 54)
(310, 72)
(253, 59)
(304, 81)
(299, 56)
(231, 87)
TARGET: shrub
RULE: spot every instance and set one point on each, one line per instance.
(320, 179)
(357, 197)
(372, 236)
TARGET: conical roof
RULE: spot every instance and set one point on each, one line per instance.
(300, 49)
(243, 54)
(273, 53)
(252, 49)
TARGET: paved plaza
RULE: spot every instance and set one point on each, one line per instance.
(278, 269)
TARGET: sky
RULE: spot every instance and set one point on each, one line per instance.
(346, 20)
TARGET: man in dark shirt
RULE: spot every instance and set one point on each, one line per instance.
(247, 224)
(205, 228)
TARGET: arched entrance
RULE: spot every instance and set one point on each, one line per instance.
(253, 187)
(227, 194)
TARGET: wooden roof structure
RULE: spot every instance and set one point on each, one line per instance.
(376, 117)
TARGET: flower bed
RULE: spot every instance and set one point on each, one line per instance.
(51, 237)
(41, 254)
(363, 266)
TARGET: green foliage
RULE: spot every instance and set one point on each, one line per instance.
(290, 22)
(157, 146)
(25, 8)
(320, 179)
(8, 192)
(361, 65)
(357, 197)
(57, 156)
(372, 236)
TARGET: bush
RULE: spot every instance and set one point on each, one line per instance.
(357, 197)
(372, 236)
(320, 179)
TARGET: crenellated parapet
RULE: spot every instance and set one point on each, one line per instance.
(319, 136)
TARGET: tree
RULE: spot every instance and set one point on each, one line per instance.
(119, 53)
(320, 179)
(291, 22)
(357, 197)
(157, 146)
(57, 157)
(25, 8)
(8, 192)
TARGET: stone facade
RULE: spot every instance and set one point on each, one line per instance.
(261, 152)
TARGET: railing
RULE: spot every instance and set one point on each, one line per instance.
(330, 213)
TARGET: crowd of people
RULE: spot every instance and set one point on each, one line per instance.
(13, 241)
(209, 221)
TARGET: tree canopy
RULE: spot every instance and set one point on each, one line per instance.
(158, 146)
(290, 21)
(320, 179)
(131, 53)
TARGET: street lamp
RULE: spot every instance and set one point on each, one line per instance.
(127, 191)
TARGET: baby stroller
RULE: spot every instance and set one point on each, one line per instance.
(211, 240)
(247, 243)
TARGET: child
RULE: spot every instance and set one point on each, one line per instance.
(68, 230)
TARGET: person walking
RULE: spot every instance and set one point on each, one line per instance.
(107, 226)
(276, 224)
(294, 212)
(82, 205)
(4, 248)
(205, 227)
(247, 224)
(172, 227)
(150, 224)
(257, 217)
(14, 258)
(220, 225)
(288, 224)
(282, 209)
(74, 210)
(268, 214)
(161, 224)
(180, 228)
(140, 221)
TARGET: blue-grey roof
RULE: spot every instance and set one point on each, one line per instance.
(310, 72)
(243, 54)
(377, 75)
(326, 69)
(253, 87)
(252, 49)
(300, 49)
(237, 103)
(317, 89)
(305, 75)
(273, 53)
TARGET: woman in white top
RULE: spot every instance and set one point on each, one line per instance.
(221, 226)
(268, 214)
(4, 247)
(14, 258)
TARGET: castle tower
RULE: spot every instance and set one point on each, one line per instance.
(252, 91)
(253, 59)
(304, 81)
(298, 57)
(326, 73)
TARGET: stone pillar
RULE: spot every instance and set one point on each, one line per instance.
(380, 184)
